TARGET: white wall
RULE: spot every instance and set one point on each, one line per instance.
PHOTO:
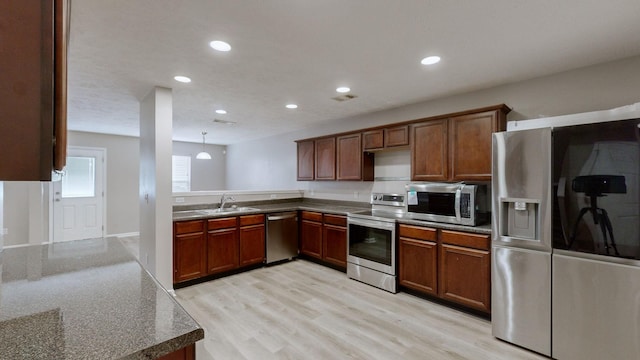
(24, 212)
(205, 174)
(273, 160)
(123, 161)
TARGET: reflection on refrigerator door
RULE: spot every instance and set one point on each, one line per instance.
(596, 240)
(521, 238)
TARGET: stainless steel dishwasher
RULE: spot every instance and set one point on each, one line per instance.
(282, 236)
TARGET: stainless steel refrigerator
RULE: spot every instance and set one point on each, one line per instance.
(566, 237)
(521, 238)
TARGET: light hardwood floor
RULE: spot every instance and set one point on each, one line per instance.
(301, 310)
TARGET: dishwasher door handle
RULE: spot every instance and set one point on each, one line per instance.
(283, 217)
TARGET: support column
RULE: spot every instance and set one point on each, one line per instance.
(156, 241)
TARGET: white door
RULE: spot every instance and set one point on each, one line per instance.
(78, 207)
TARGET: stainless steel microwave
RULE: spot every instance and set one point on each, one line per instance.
(454, 203)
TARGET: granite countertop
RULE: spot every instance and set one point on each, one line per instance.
(480, 229)
(339, 208)
(331, 207)
(86, 299)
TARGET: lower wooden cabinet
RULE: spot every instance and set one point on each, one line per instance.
(334, 240)
(465, 269)
(418, 258)
(189, 255)
(324, 237)
(451, 265)
(464, 276)
(218, 245)
(186, 353)
(252, 240)
(222, 245)
(310, 241)
(222, 250)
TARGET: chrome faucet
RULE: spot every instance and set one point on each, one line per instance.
(224, 199)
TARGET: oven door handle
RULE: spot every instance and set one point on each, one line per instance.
(372, 224)
(457, 204)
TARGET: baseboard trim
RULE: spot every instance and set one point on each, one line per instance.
(122, 235)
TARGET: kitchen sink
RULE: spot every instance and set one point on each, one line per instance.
(227, 210)
(205, 212)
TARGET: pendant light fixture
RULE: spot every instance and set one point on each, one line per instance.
(203, 155)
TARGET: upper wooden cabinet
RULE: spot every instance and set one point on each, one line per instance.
(470, 144)
(396, 136)
(325, 158)
(451, 147)
(455, 148)
(373, 140)
(429, 151)
(306, 160)
(334, 158)
(391, 137)
(352, 163)
(33, 59)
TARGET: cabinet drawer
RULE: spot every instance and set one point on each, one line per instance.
(476, 241)
(223, 223)
(187, 227)
(313, 216)
(246, 220)
(337, 220)
(418, 232)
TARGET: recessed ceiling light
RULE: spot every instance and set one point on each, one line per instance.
(430, 60)
(221, 111)
(220, 45)
(182, 79)
(343, 89)
(292, 106)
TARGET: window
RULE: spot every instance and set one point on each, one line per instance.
(79, 178)
(181, 173)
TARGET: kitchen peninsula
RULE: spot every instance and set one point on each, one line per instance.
(87, 299)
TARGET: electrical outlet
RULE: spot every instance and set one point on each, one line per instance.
(355, 194)
(179, 199)
(273, 196)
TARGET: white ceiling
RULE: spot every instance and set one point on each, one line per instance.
(299, 51)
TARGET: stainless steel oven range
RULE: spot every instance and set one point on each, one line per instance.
(371, 256)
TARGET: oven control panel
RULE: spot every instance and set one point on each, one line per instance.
(387, 199)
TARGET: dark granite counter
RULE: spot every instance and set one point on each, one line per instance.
(330, 207)
(327, 206)
(87, 299)
(481, 229)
